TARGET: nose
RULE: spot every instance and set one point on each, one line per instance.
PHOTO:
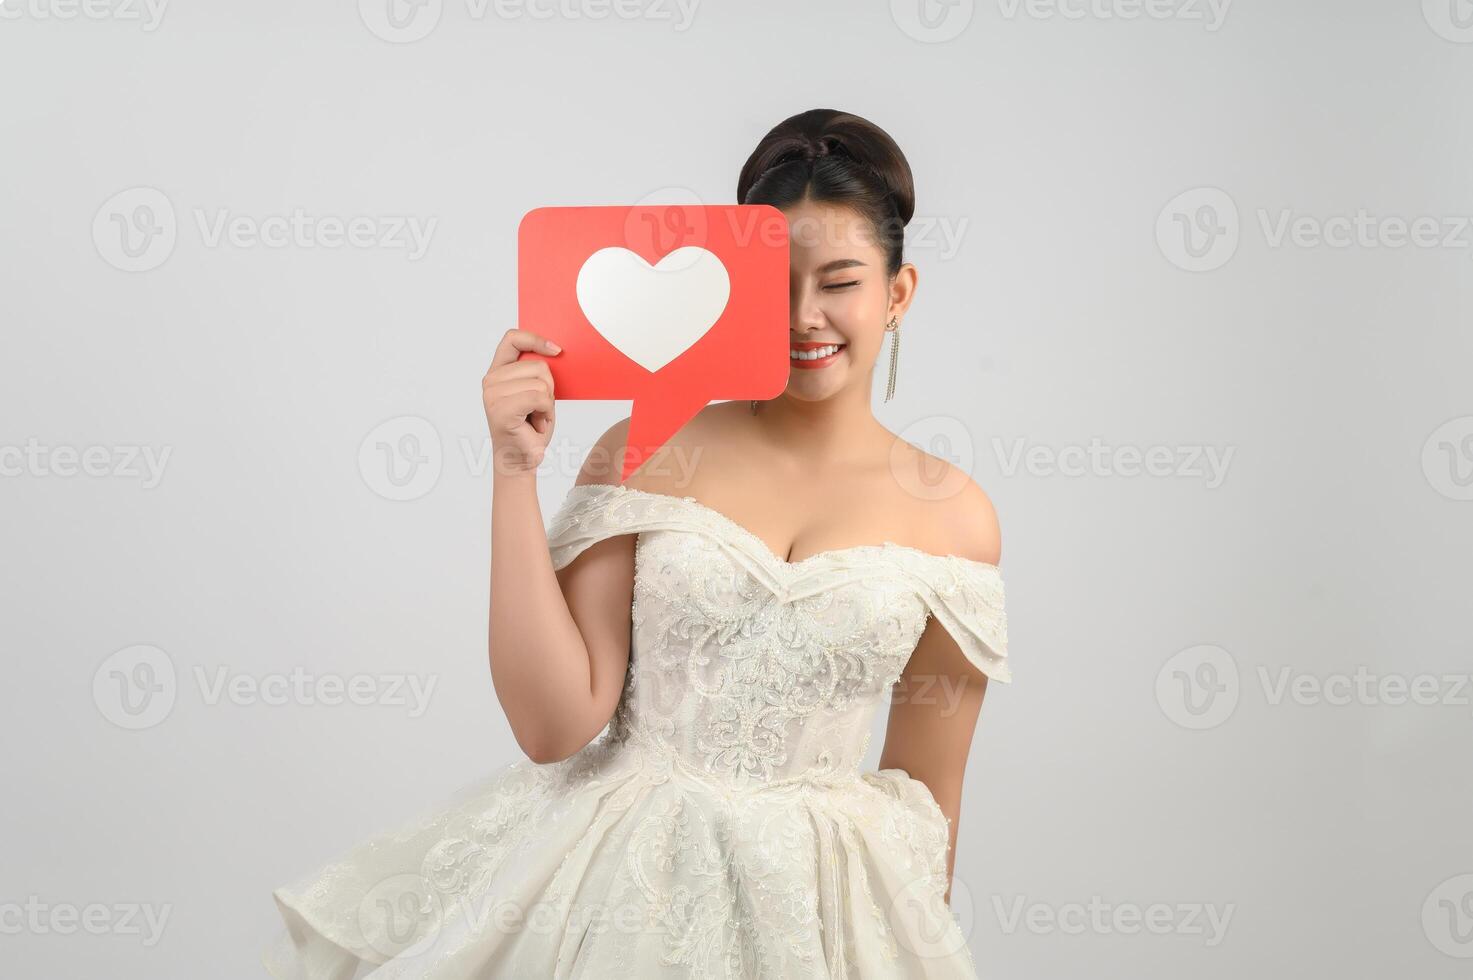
(806, 315)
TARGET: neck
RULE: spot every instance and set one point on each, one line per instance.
(837, 429)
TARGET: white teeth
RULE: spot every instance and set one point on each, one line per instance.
(815, 354)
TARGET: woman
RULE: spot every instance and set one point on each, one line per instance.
(692, 666)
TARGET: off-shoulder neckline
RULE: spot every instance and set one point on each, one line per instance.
(754, 539)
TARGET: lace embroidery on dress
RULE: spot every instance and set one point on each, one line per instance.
(720, 826)
(967, 596)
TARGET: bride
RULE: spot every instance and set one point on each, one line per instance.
(692, 668)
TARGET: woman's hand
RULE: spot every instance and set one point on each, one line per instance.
(520, 407)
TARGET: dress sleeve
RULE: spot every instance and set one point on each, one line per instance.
(967, 598)
(592, 512)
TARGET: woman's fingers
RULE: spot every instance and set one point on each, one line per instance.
(530, 368)
(514, 341)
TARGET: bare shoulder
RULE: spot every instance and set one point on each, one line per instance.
(601, 464)
(959, 516)
(977, 533)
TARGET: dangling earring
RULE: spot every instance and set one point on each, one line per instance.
(893, 328)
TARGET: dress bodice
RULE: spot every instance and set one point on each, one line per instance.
(748, 669)
(720, 827)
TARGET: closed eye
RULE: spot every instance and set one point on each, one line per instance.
(842, 285)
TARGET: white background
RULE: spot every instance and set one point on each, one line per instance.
(1050, 143)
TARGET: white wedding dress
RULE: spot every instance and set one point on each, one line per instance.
(720, 827)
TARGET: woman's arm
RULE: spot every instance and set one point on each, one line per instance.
(932, 719)
(939, 695)
(558, 641)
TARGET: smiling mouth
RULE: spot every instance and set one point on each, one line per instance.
(813, 355)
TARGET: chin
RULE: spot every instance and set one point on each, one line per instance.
(814, 393)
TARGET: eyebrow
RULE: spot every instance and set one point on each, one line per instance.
(838, 264)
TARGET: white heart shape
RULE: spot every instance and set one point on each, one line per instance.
(653, 313)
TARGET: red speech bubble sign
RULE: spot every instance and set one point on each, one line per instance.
(673, 306)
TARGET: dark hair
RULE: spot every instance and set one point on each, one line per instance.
(829, 156)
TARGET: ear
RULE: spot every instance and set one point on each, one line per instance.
(902, 290)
